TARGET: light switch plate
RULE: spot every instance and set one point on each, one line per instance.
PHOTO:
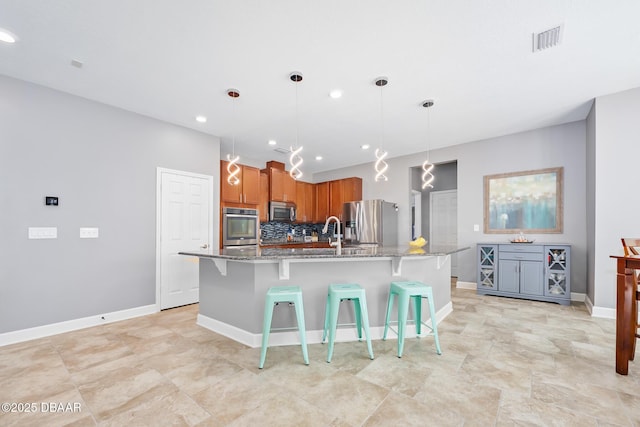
(43, 232)
(476, 227)
(89, 232)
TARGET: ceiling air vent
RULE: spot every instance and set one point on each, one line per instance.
(548, 38)
(282, 150)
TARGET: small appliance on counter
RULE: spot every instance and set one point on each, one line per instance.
(370, 222)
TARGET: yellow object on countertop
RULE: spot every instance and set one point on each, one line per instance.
(418, 243)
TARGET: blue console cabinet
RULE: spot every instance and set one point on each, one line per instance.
(525, 270)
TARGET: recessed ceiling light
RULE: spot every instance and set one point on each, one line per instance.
(318, 157)
(365, 146)
(201, 119)
(335, 94)
(6, 36)
(272, 142)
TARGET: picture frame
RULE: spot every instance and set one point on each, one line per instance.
(524, 202)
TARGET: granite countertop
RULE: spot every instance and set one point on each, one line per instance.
(258, 253)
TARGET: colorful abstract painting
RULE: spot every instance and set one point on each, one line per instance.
(529, 201)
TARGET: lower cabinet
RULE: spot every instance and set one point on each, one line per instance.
(531, 271)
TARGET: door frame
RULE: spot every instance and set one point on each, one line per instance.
(159, 172)
(454, 257)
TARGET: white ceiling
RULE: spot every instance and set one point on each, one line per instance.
(173, 60)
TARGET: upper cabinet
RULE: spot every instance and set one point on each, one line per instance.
(322, 202)
(247, 190)
(342, 191)
(331, 195)
(264, 197)
(283, 187)
(305, 201)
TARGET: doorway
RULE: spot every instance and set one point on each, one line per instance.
(184, 218)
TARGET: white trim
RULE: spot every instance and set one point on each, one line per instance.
(159, 172)
(603, 312)
(75, 324)
(578, 297)
(293, 338)
(466, 285)
(589, 304)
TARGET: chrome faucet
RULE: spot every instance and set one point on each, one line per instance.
(326, 228)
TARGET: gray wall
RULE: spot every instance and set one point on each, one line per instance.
(615, 167)
(101, 162)
(562, 145)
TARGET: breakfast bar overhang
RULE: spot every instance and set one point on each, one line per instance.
(234, 282)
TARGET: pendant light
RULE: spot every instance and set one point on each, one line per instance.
(233, 170)
(295, 159)
(427, 166)
(381, 166)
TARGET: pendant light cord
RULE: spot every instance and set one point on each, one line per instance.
(381, 118)
(297, 117)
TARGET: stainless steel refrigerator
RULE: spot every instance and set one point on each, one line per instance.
(370, 222)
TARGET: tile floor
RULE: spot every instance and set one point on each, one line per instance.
(504, 362)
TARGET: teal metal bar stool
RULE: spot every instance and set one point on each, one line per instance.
(336, 294)
(275, 295)
(414, 291)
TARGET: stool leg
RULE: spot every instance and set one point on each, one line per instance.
(334, 307)
(326, 320)
(434, 324)
(403, 308)
(358, 314)
(388, 316)
(301, 328)
(266, 328)
(417, 312)
(362, 302)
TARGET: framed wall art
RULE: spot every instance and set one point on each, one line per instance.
(528, 201)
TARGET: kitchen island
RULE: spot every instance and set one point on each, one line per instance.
(234, 282)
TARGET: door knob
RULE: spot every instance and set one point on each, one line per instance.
(205, 246)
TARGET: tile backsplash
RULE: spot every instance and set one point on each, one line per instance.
(274, 230)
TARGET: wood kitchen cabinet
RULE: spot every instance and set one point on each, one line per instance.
(247, 190)
(342, 191)
(322, 202)
(305, 202)
(282, 188)
(264, 197)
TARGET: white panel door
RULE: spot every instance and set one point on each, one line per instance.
(185, 226)
(443, 227)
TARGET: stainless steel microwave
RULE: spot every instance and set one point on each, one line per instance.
(282, 211)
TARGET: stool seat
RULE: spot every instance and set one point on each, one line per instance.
(336, 294)
(415, 291)
(275, 295)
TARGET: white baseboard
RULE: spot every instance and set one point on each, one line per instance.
(293, 338)
(603, 312)
(73, 325)
(578, 297)
(466, 285)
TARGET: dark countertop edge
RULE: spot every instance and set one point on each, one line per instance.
(299, 255)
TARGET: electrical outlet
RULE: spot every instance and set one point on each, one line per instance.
(43, 232)
(89, 232)
(476, 227)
